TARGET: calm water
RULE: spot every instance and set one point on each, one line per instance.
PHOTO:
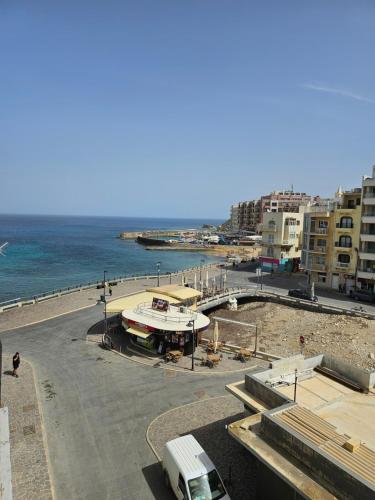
(50, 252)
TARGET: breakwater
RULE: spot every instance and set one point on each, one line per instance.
(155, 234)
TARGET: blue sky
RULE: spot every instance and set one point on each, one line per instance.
(180, 108)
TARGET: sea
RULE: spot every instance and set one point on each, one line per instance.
(51, 252)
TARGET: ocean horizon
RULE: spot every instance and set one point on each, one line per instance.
(48, 252)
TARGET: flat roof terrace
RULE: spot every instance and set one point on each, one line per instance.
(323, 442)
(351, 412)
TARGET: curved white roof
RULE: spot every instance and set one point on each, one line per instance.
(172, 320)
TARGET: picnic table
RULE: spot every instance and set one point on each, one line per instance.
(211, 360)
(173, 356)
(243, 354)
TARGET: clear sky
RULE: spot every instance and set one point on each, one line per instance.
(181, 107)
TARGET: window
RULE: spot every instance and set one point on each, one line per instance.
(346, 222)
(270, 252)
(208, 486)
(323, 224)
(322, 278)
(321, 243)
(343, 257)
(320, 259)
(271, 224)
(345, 241)
(182, 486)
(271, 238)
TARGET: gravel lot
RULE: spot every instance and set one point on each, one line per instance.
(206, 420)
(351, 339)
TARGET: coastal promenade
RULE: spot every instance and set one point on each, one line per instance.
(74, 301)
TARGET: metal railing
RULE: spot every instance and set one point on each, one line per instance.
(23, 301)
(146, 309)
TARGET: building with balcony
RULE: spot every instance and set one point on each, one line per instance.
(317, 246)
(346, 231)
(330, 241)
(366, 255)
(245, 216)
(285, 201)
(281, 241)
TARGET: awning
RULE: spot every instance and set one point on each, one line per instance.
(139, 333)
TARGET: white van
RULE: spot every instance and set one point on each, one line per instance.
(190, 473)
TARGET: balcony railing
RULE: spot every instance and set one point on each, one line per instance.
(340, 245)
(318, 267)
(319, 230)
(342, 265)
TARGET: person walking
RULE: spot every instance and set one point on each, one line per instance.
(16, 364)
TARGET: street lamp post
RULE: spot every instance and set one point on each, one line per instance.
(192, 324)
(170, 278)
(200, 270)
(105, 305)
(158, 268)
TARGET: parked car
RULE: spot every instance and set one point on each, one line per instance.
(363, 295)
(189, 472)
(302, 294)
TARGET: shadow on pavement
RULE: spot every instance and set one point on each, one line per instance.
(154, 477)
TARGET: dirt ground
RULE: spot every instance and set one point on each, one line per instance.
(280, 327)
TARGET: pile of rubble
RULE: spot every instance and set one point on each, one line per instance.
(280, 327)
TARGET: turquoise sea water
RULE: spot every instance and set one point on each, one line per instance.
(51, 252)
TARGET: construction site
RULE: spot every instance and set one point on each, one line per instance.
(280, 328)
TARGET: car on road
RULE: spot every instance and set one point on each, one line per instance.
(189, 472)
(302, 294)
(362, 295)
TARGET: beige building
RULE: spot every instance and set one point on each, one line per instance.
(281, 241)
(245, 216)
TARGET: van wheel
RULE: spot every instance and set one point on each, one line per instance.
(166, 480)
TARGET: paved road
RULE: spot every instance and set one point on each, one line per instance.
(245, 276)
(97, 419)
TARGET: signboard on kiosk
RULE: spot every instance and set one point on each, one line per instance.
(160, 304)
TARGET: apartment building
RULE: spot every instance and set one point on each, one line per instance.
(285, 201)
(366, 261)
(330, 242)
(317, 245)
(246, 215)
(281, 241)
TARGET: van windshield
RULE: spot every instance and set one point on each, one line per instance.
(207, 487)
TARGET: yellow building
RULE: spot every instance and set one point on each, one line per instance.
(346, 232)
(330, 242)
(281, 241)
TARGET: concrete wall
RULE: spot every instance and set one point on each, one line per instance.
(335, 476)
(264, 393)
(364, 378)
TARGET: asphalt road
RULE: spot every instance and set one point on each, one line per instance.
(245, 275)
(98, 409)
(99, 405)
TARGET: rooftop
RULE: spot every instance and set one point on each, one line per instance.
(326, 439)
(174, 319)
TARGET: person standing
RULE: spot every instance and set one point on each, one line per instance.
(16, 364)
